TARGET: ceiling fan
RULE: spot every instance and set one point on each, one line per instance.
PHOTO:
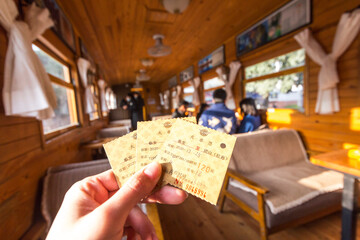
(141, 76)
(159, 50)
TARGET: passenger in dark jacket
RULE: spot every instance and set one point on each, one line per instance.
(181, 110)
(139, 101)
(218, 116)
(251, 118)
(130, 104)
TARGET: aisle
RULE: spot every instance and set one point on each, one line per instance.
(196, 219)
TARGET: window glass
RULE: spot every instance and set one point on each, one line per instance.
(94, 115)
(189, 89)
(213, 83)
(65, 113)
(52, 66)
(277, 64)
(209, 97)
(280, 92)
(173, 99)
(189, 99)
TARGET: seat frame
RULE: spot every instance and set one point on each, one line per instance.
(260, 215)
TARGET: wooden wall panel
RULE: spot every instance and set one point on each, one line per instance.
(321, 133)
(24, 158)
(152, 93)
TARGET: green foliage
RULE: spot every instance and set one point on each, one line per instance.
(281, 84)
(51, 65)
(280, 63)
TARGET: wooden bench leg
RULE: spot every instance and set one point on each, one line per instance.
(262, 219)
(222, 193)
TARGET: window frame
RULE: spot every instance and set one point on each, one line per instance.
(303, 69)
(68, 85)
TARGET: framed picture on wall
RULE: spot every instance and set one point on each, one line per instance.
(62, 26)
(212, 60)
(187, 74)
(291, 16)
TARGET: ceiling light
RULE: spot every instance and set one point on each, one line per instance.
(142, 76)
(159, 50)
(175, 6)
(147, 62)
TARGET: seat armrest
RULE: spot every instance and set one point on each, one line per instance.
(247, 182)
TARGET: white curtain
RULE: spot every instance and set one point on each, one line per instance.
(108, 93)
(178, 95)
(27, 88)
(327, 99)
(196, 84)
(102, 86)
(113, 100)
(83, 66)
(234, 68)
(161, 99)
(167, 99)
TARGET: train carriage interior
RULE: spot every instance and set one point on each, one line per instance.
(282, 75)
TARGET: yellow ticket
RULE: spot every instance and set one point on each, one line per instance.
(151, 136)
(121, 153)
(198, 158)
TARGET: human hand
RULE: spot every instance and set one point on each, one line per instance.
(95, 208)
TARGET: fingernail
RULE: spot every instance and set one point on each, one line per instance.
(181, 192)
(152, 170)
(186, 194)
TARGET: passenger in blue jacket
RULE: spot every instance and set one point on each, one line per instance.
(218, 116)
(251, 118)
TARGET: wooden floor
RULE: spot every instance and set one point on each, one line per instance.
(197, 219)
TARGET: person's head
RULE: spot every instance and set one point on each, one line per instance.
(183, 106)
(219, 96)
(128, 97)
(248, 107)
(136, 94)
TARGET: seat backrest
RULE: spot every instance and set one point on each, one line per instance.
(266, 149)
(59, 179)
(113, 132)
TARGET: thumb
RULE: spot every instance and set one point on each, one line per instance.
(136, 188)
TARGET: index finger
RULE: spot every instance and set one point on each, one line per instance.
(167, 195)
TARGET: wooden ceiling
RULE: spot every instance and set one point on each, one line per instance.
(117, 33)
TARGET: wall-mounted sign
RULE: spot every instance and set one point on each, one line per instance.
(213, 60)
(172, 82)
(288, 18)
(187, 74)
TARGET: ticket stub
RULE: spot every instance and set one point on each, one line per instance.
(121, 153)
(151, 136)
(198, 159)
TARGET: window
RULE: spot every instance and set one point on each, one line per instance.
(95, 91)
(188, 94)
(173, 99)
(110, 100)
(188, 91)
(277, 82)
(210, 86)
(59, 73)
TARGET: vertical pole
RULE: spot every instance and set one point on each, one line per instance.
(349, 208)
